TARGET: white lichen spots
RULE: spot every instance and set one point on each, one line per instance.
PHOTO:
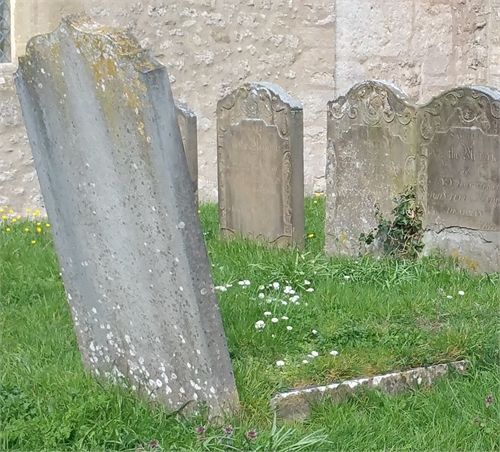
(40, 86)
(42, 70)
(419, 380)
(194, 385)
(175, 327)
(101, 326)
(159, 383)
(182, 338)
(148, 139)
(150, 271)
(107, 359)
(198, 352)
(181, 225)
(97, 371)
(136, 111)
(162, 367)
(141, 361)
(134, 388)
(100, 301)
(212, 389)
(189, 366)
(119, 307)
(182, 391)
(95, 320)
(176, 260)
(94, 310)
(69, 296)
(108, 327)
(152, 383)
(195, 396)
(103, 87)
(92, 346)
(145, 244)
(101, 353)
(127, 339)
(109, 336)
(203, 291)
(165, 377)
(157, 339)
(168, 389)
(173, 376)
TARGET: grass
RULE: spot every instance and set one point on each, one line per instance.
(379, 315)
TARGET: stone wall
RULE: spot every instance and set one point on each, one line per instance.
(314, 49)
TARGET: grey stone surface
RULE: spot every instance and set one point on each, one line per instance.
(370, 159)
(188, 127)
(459, 175)
(296, 405)
(260, 165)
(107, 147)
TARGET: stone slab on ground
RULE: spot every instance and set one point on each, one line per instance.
(296, 405)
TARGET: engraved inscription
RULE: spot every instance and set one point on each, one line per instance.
(254, 173)
(463, 179)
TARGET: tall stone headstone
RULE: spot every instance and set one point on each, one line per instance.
(370, 160)
(260, 164)
(188, 127)
(103, 129)
(459, 175)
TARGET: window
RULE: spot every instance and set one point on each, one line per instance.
(4, 31)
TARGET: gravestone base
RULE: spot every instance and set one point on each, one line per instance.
(478, 251)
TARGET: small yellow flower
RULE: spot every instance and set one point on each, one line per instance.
(26, 230)
(4, 217)
(33, 242)
(35, 213)
(310, 236)
(14, 220)
(5, 207)
(199, 211)
(28, 210)
(1, 210)
(315, 202)
(38, 229)
(19, 217)
(7, 229)
(11, 211)
(318, 195)
(47, 225)
(38, 223)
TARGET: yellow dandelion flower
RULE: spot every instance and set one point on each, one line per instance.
(47, 225)
(310, 236)
(19, 217)
(1, 210)
(318, 195)
(7, 229)
(38, 223)
(38, 229)
(5, 207)
(33, 242)
(26, 230)
(4, 217)
(28, 210)
(14, 220)
(35, 213)
(11, 211)
(199, 211)
(315, 202)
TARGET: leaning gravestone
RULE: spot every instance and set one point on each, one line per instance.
(188, 128)
(260, 164)
(459, 175)
(370, 160)
(107, 148)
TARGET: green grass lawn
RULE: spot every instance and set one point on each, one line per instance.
(292, 318)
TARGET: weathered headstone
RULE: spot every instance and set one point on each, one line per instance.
(107, 148)
(189, 134)
(260, 164)
(370, 160)
(459, 175)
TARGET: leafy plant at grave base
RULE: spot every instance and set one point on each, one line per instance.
(400, 237)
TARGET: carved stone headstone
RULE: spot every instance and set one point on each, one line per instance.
(107, 148)
(459, 175)
(370, 160)
(189, 134)
(260, 164)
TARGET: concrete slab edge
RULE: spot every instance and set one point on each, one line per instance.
(296, 405)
